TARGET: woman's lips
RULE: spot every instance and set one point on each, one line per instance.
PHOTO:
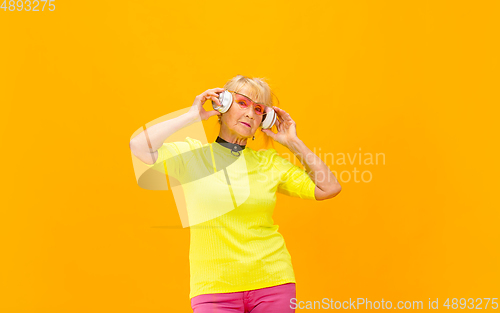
(245, 124)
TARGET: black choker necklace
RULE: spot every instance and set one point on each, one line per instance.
(235, 148)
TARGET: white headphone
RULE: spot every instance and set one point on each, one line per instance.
(226, 99)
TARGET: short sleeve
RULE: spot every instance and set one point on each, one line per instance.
(294, 181)
(173, 154)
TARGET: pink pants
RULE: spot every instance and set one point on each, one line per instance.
(274, 299)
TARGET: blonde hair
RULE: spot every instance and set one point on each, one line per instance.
(258, 90)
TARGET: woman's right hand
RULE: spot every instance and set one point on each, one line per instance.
(197, 108)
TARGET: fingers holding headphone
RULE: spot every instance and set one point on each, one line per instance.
(278, 124)
(215, 91)
(284, 115)
(215, 98)
(213, 94)
(210, 94)
(284, 118)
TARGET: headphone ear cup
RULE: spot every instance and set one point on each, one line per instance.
(269, 120)
(225, 99)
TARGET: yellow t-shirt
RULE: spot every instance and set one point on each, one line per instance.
(238, 247)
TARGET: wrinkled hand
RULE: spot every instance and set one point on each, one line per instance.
(287, 130)
(197, 108)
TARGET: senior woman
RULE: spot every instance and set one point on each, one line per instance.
(238, 260)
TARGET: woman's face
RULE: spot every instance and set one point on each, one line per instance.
(243, 122)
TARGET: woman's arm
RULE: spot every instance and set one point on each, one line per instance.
(327, 185)
(145, 145)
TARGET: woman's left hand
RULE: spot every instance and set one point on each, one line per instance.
(287, 131)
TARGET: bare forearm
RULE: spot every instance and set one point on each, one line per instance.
(158, 133)
(315, 167)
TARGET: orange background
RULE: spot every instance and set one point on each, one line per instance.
(417, 81)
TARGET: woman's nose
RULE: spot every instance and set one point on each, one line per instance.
(250, 111)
